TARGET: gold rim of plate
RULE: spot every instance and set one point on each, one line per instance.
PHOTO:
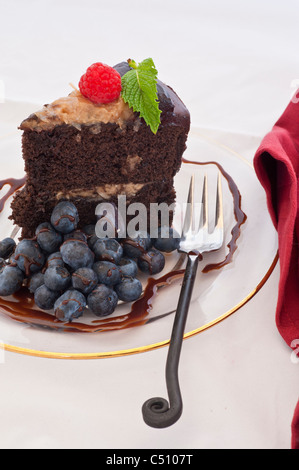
(161, 344)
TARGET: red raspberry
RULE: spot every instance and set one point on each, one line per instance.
(100, 83)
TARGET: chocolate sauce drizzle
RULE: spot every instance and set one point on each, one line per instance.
(21, 306)
(240, 216)
(14, 184)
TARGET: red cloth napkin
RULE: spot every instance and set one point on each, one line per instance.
(276, 164)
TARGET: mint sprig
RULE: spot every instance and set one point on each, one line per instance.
(139, 90)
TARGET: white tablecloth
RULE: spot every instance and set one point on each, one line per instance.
(235, 66)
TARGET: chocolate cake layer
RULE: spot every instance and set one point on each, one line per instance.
(30, 208)
(68, 158)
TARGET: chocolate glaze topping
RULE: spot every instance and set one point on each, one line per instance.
(174, 112)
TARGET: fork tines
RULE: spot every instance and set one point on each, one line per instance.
(203, 239)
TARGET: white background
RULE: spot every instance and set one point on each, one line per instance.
(233, 63)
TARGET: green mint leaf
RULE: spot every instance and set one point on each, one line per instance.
(139, 90)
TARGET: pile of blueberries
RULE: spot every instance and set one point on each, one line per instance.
(68, 269)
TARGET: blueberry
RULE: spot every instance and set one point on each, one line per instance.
(129, 289)
(57, 278)
(152, 262)
(102, 300)
(48, 239)
(128, 267)
(7, 247)
(29, 256)
(84, 280)
(11, 280)
(70, 305)
(107, 273)
(89, 230)
(77, 254)
(55, 259)
(137, 245)
(35, 281)
(76, 235)
(11, 260)
(108, 249)
(167, 239)
(92, 241)
(45, 298)
(65, 217)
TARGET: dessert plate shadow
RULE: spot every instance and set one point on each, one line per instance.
(226, 279)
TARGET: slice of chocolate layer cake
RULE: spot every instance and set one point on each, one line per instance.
(88, 152)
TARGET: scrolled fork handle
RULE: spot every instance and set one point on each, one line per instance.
(158, 412)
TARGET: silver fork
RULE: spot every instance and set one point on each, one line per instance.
(157, 412)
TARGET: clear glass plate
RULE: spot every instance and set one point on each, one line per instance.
(217, 294)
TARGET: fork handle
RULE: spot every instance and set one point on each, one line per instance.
(157, 412)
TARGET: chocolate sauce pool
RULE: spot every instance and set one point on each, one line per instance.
(21, 306)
